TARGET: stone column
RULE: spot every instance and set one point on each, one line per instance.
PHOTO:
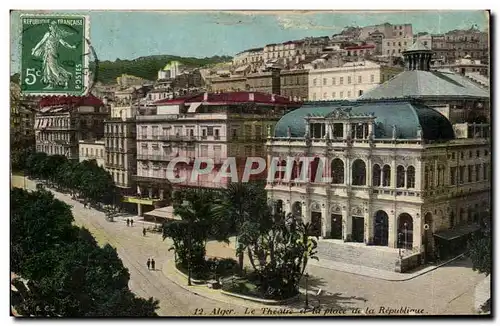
(306, 211)
(406, 179)
(417, 233)
(139, 209)
(326, 222)
(393, 230)
(347, 222)
(368, 226)
(161, 194)
(393, 172)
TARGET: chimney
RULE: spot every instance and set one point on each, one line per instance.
(276, 81)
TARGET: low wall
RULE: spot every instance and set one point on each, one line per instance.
(408, 263)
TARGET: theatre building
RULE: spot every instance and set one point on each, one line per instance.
(400, 174)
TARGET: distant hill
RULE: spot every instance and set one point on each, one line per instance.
(147, 67)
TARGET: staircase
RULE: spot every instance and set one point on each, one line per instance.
(358, 255)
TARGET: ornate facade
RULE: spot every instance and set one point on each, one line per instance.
(389, 182)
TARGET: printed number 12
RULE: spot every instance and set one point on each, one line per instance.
(198, 311)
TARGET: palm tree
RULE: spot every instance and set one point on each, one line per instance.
(240, 202)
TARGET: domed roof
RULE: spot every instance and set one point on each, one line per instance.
(407, 116)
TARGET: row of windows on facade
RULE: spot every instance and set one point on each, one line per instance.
(190, 151)
(119, 177)
(380, 176)
(115, 128)
(115, 159)
(334, 95)
(97, 153)
(54, 136)
(341, 80)
(115, 143)
(294, 80)
(457, 175)
(55, 122)
(438, 45)
(358, 130)
(453, 155)
(399, 43)
(205, 131)
(52, 150)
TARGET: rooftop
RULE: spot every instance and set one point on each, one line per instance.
(73, 101)
(408, 117)
(422, 84)
(231, 98)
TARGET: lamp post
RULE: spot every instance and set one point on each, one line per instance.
(306, 306)
(185, 203)
(406, 235)
(400, 236)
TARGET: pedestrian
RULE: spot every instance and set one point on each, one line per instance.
(153, 264)
(148, 263)
(131, 222)
(128, 222)
(143, 231)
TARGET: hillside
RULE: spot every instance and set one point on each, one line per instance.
(147, 67)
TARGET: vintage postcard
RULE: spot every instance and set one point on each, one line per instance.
(250, 164)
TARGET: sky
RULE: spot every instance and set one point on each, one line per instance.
(131, 34)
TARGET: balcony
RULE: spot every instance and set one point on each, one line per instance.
(58, 128)
(149, 180)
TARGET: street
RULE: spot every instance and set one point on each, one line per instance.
(446, 290)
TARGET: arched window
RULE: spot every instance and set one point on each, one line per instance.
(400, 176)
(359, 173)
(295, 172)
(386, 179)
(376, 175)
(337, 171)
(410, 177)
(316, 168)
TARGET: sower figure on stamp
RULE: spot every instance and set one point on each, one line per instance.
(149, 263)
(53, 74)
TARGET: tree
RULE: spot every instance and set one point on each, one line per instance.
(479, 250)
(68, 274)
(199, 223)
(38, 223)
(279, 250)
(239, 202)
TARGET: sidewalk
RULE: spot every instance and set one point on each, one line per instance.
(219, 249)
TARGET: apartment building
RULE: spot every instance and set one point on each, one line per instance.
(209, 125)
(120, 144)
(457, 44)
(92, 150)
(394, 47)
(63, 121)
(348, 81)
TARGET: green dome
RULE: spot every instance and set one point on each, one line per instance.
(408, 117)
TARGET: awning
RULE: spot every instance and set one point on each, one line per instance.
(457, 232)
(193, 107)
(164, 212)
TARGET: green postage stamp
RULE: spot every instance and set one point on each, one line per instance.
(55, 54)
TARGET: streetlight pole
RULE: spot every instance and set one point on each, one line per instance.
(307, 298)
(406, 236)
(189, 254)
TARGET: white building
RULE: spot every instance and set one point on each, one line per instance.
(348, 81)
(399, 175)
(394, 47)
(170, 71)
(92, 150)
